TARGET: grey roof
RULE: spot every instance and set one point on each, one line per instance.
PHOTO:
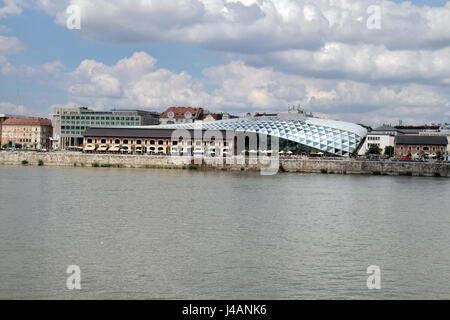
(128, 132)
(132, 132)
(422, 140)
(410, 131)
(385, 128)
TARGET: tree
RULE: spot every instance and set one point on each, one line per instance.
(374, 149)
(18, 146)
(389, 151)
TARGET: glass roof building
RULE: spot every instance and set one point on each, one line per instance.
(330, 136)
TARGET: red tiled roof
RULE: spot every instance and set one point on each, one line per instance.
(180, 111)
(214, 115)
(28, 122)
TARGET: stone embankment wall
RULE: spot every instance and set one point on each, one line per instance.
(349, 166)
(342, 166)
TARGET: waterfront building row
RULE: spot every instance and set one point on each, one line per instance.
(419, 140)
(157, 141)
(292, 131)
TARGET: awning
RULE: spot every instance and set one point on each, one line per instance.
(89, 147)
(102, 148)
(114, 149)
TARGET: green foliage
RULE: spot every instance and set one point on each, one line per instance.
(323, 171)
(40, 162)
(193, 167)
(374, 150)
(95, 165)
(24, 162)
(18, 146)
(376, 173)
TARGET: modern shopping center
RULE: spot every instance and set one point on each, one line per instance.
(263, 134)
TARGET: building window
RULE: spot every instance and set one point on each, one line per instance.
(103, 141)
(125, 141)
(426, 148)
(138, 142)
(160, 142)
(117, 141)
(152, 142)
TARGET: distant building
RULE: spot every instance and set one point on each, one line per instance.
(174, 115)
(3, 118)
(420, 145)
(444, 131)
(382, 137)
(208, 117)
(227, 116)
(70, 123)
(415, 130)
(32, 133)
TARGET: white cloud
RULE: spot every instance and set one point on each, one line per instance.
(319, 54)
(13, 109)
(9, 45)
(249, 26)
(11, 7)
(240, 88)
(362, 62)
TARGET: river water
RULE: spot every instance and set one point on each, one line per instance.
(180, 234)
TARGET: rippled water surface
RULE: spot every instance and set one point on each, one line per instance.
(152, 234)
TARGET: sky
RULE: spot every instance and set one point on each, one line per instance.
(365, 61)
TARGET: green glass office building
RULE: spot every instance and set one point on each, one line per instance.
(69, 124)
